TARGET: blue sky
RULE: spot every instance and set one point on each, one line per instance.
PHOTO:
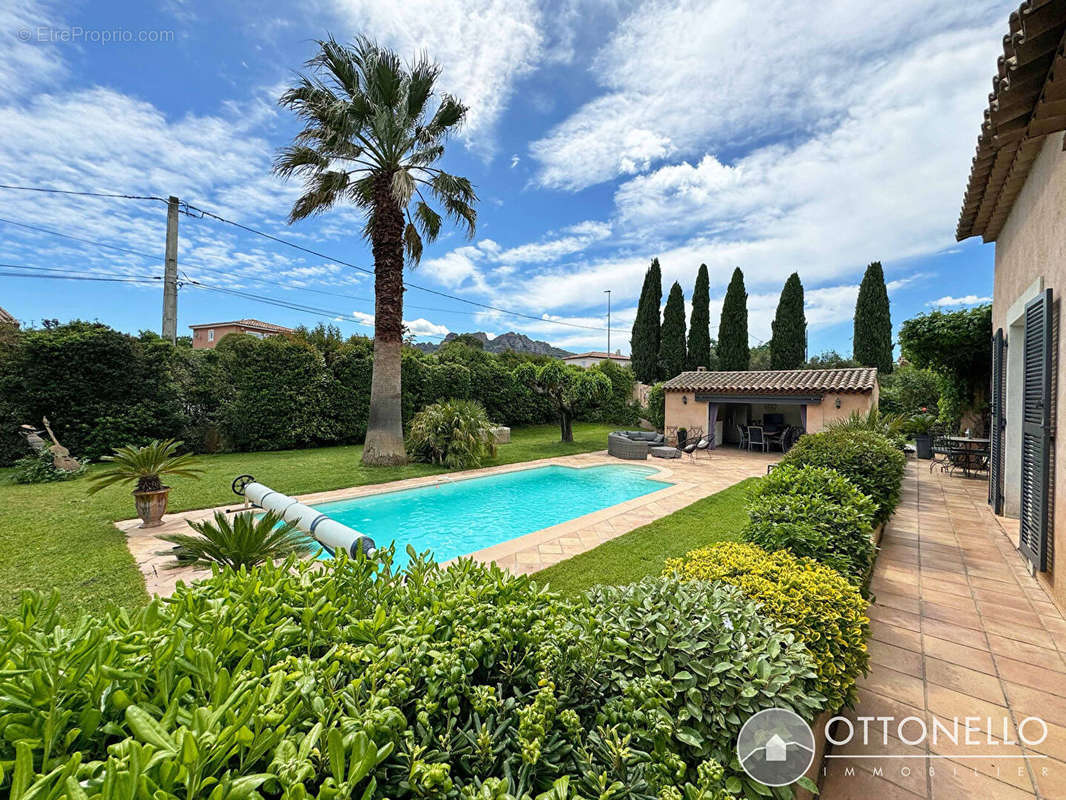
(764, 135)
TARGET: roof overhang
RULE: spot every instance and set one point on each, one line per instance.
(1027, 103)
(780, 399)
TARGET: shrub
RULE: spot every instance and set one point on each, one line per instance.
(811, 600)
(456, 433)
(867, 459)
(342, 680)
(687, 662)
(146, 466)
(39, 467)
(892, 426)
(909, 390)
(817, 513)
(656, 410)
(240, 540)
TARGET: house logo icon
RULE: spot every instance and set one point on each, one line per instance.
(776, 747)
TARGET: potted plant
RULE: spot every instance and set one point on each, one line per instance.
(921, 427)
(147, 466)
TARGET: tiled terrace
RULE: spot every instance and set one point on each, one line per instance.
(689, 481)
(959, 629)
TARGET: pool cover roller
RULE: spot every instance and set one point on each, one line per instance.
(325, 530)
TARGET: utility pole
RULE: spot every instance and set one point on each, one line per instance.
(608, 293)
(170, 275)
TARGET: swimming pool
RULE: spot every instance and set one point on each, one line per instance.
(455, 518)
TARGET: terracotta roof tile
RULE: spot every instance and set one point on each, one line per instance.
(246, 323)
(778, 381)
(1028, 102)
(5, 317)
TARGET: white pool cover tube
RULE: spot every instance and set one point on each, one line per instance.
(328, 531)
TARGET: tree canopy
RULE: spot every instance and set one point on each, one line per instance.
(672, 339)
(788, 345)
(957, 346)
(570, 389)
(872, 342)
(733, 353)
(644, 343)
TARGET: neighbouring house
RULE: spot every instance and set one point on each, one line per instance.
(207, 335)
(804, 399)
(1016, 197)
(595, 357)
(7, 319)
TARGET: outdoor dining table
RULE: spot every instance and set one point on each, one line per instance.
(973, 455)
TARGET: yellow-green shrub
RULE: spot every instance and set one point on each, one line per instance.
(813, 601)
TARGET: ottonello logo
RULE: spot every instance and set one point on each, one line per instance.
(776, 747)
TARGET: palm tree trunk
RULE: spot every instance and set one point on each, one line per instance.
(384, 430)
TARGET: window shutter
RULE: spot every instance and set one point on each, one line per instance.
(999, 423)
(1036, 430)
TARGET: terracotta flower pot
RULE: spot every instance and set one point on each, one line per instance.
(151, 506)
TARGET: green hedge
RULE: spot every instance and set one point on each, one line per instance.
(344, 680)
(869, 460)
(104, 389)
(817, 513)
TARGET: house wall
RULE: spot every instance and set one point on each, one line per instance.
(686, 415)
(200, 340)
(591, 362)
(1031, 256)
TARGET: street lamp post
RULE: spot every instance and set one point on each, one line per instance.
(608, 293)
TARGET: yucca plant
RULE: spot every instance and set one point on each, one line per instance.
(891, 426)
(455, 433)
(146, 465)
(239, 540)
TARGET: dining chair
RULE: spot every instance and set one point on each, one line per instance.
(756, 438)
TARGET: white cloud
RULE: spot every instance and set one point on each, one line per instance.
(574, 239)
(682, 76)
(26, 62)
(967, 300)
(416, 327)
(484, 46)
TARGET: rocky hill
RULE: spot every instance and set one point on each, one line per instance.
(518, 342)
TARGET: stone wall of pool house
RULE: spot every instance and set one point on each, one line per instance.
(683, 410)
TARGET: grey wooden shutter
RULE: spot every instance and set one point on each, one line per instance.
(999, 423)
(1036, 430)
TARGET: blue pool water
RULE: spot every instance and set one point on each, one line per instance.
(457, 518)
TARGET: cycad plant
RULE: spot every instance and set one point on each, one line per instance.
(371, 137)
(455, 433)
(146, 465)
(241, 540)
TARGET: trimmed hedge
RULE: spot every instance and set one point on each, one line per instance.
(103, 389)
(867, 459)
(817, 513)
(341, 679)
(809, 599)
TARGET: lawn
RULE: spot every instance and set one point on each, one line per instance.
(55, 536)
(643, 552)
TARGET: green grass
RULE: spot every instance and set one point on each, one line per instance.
(56, 536)
(644, 551)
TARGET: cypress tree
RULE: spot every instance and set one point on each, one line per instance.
(644, 343)
(788, 345)
(873, 321)
(672, 342)
(733, 353)
(699, 329)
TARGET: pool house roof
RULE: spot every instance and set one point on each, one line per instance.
(777, 381)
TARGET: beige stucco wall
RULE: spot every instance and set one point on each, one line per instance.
(680, 414)
(1030, 256)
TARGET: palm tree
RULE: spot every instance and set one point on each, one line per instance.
(369, 138)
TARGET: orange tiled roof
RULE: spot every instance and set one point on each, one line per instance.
(778, 381)
(246, 323)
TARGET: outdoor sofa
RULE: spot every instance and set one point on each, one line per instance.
(633, 444)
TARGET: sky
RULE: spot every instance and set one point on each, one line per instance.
(776, 136)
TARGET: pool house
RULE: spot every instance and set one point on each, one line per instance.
(779, 403)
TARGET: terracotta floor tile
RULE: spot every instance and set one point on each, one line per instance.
(895, 684)
(1031, 675)
(964, 680)
(891, 634)
(1050, 778)
(902, 602)
(957, 781)
(893, 616)
(955, 616)
(897, 658)
(1021, 633)
(1028, 701)
(954, 653)
(860, 785)
(1029, 653)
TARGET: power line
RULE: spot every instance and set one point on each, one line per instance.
(79, 239)
(74, 277)
(202, 213)
(81, 194)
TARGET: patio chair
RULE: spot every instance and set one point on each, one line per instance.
(940, 453)
(694, 446)
(778, 438)
(756, 438)
(742, 436)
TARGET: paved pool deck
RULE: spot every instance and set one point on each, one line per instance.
(690, 480)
